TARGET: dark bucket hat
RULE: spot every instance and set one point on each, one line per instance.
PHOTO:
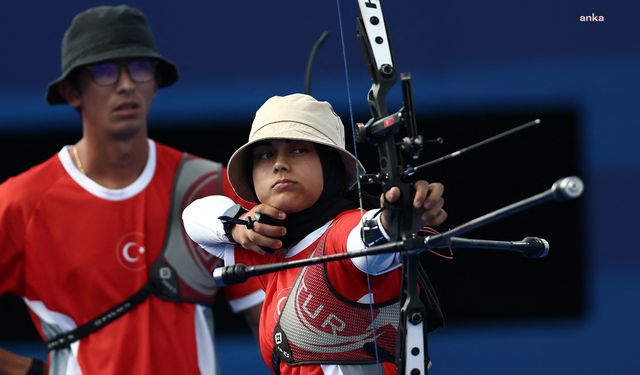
(106, 33)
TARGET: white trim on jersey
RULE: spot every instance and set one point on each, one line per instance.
(351, 369)
(240, 304)
(308, 240)
(102, 192)
(205, 340)
(73, 367)
(62, 321)
(55, 323)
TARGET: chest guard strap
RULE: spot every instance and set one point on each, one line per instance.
(182, 273)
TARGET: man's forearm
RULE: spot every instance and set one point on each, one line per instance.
(13, 364)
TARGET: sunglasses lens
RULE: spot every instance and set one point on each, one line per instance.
(142, 70)
(105, 74)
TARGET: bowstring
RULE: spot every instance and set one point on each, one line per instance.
(358, 184)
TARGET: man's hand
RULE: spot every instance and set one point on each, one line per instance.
(427, 204)
(261, 234)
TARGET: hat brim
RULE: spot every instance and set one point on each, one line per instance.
(167, 70)
(237, 167)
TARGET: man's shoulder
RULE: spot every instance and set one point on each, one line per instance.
(163, 150)
(32, 183)
(166, 151)
(38, 173)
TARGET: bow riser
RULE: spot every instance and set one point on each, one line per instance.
(381, 130)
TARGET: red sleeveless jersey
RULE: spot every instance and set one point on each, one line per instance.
(344, 277)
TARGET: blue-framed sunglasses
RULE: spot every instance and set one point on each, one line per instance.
(108, 73)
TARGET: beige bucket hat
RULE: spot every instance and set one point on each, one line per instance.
(295, 116)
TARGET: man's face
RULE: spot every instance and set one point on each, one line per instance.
(115, 97)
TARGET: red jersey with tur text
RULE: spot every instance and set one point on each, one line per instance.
(74, 249)
(347, 280)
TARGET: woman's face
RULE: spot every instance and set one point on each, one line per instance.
(287, 174)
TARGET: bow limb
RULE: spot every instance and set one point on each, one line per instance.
(381, 131)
